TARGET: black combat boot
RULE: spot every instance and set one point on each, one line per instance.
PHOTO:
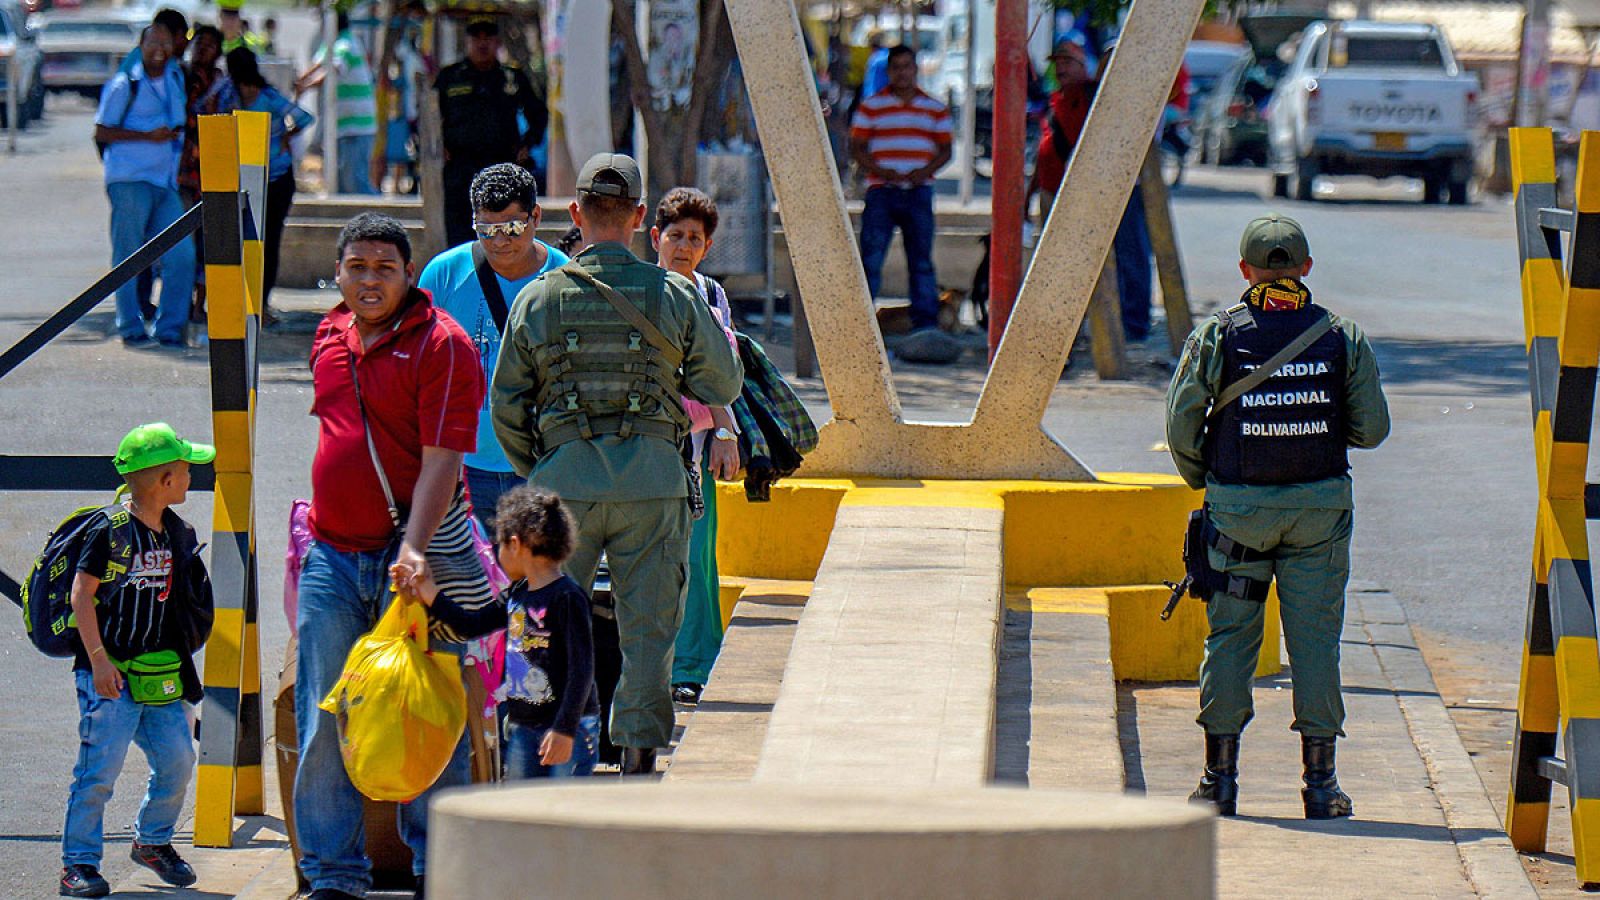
(1219, 786)
(1321, 795)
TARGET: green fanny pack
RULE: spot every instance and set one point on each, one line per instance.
(153, 678)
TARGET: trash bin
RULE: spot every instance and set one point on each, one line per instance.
(737, 180)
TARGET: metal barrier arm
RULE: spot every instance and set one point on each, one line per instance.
(63, 318)
(77, 473)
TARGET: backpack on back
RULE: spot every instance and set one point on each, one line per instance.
(47, 592)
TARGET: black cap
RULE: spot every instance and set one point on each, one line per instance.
(483, 25)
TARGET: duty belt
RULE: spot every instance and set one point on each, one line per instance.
(1232, 549)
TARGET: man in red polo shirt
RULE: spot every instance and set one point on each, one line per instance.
(383, 359)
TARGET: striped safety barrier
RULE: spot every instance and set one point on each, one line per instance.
(233, 167)
(1560, 682)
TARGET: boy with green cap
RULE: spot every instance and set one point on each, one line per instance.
(1268, 398)
(142, 605)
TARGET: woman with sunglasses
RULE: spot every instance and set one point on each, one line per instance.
(476, 283)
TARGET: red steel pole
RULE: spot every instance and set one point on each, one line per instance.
(1010, 132)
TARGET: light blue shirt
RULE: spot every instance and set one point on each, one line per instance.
(282, 110)
(159, 103)
(453, 282)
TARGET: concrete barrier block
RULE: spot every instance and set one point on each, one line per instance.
(783, 538)
(1142, 647)
(713, 841)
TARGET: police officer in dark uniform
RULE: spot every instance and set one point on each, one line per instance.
(479, 99)
(1272, 460)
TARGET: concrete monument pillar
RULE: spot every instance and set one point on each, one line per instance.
(868, 435)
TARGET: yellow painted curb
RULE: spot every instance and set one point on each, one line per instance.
(1099, 548)
(1144, 648)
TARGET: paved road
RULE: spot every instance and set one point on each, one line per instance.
(1445, 518)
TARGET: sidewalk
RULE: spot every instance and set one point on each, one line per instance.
(1423, 827)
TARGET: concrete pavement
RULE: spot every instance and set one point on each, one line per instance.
(1424, 824)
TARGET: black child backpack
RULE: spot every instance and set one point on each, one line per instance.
(47, 593)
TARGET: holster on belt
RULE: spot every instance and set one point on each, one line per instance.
(1200, 579)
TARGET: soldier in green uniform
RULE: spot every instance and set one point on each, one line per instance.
(479, 99)
(1273, 463)
(586, 403)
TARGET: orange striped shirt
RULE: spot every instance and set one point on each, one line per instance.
(901, 136)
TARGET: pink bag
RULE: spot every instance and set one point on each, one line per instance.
(294, 558)
(489, 652)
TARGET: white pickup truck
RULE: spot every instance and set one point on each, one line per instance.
(1373, 98)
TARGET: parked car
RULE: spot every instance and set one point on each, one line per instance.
(1207, 61)
(1373, 98)
(19, 52)
(1230, 125)
(83, 47)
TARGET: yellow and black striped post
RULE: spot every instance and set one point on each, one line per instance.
(1561, 658)
(233, 158)
(1533, 174)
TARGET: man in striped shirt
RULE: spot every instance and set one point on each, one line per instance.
(356, 106)
(900, 137)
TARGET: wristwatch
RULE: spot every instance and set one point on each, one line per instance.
(723, 434)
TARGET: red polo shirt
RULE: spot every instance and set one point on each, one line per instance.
(422, 385)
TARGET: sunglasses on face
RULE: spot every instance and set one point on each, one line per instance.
(490, 231)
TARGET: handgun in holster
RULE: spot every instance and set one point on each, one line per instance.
(1200, 580)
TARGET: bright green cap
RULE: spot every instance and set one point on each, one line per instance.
(156, 445)
(1274, 242)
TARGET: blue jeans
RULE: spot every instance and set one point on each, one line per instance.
(522, 751)
(355, 155)
(341, 596)
(487, 488)
(139, 212)
(910, 210)
(105, 729)
(1132, 247)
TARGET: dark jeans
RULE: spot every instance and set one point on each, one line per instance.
(522, 751)
(342, 595)
(487, 488)
(1132, 248)
(280, 197)
(911, 211)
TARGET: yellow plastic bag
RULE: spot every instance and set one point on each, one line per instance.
(401, 707)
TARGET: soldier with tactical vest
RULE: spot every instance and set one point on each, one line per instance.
(586, 403)
(1269, 396)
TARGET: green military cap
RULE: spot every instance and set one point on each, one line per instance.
(620, 173)
(1274, 242)
(156, 445)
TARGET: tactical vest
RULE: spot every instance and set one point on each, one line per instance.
(1291, 428)
(600, 374)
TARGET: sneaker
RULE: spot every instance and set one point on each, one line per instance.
(83, 881)
(686, 693)
(330, 894)
(165, 862)
(174, 343)
(138, 342)
(421, 892)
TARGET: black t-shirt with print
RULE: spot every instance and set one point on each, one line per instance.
(549, 679)
(133, 617)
